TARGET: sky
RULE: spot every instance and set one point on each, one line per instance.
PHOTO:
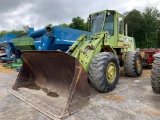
(14, 14)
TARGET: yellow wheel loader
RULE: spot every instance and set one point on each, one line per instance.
(56, 83)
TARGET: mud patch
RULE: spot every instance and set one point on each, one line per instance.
(49, 93)
(153, 112)
(52, 94)
(34, 86)
(146, 73)
(5, 69)
(114, 97)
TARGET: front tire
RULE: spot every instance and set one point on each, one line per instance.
(133, 64)
(155, 75)
(104, 71)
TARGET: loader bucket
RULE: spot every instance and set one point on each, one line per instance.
(53, 82)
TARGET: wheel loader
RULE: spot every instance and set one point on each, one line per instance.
(155, 73)
(57, 83)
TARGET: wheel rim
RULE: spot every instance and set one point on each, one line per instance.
(138, 62)
(111, 72)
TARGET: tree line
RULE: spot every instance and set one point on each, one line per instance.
(20, 32)
(143, 26)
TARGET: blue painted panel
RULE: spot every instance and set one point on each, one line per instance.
(63, 38)
(8, 38)
(38, 43)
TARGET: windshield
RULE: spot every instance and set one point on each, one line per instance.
(97, 21)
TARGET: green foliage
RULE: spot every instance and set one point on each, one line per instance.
(151, 17)
(20, 32)
(144, 26)
(135, 21)
(3, 32)
(64, 25)
(77, 23)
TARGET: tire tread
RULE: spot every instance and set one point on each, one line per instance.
(96, 70)
(155, 75)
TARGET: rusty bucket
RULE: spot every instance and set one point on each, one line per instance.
(53, 82)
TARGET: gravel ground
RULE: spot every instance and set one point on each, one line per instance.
(133, 99)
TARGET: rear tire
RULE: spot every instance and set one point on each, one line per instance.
(133, 64)
(155, 75)
(104, 71)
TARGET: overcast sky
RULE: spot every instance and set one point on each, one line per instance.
(14, 14)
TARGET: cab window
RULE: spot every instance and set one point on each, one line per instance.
(109, 24)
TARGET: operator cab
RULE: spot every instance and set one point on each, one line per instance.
(106, 21)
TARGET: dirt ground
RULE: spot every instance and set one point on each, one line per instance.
(132, 99)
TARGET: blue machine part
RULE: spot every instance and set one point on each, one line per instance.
(37, 33)
(30, 30)
(6, 42)
(8, 38)
(59, 38)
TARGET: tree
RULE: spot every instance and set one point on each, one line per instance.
(152, 23)
(64, 25)
(50, 25)
(78, 23)
(144, 27)
(3, 32)
(19, 32)
(135, 21)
